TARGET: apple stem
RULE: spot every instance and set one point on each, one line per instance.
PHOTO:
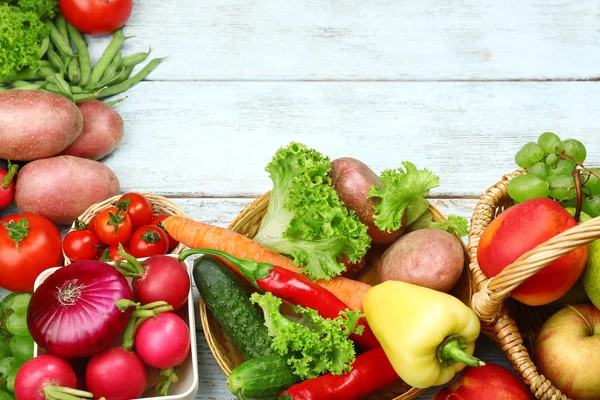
(452, 350)
(583, 318)
(577, 177)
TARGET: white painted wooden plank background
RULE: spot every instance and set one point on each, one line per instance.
(454, 86)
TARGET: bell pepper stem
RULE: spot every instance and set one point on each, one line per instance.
(251, 269)
(452, 350)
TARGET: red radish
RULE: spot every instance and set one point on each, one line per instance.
(7, 184)
(163, 341)
(73, 313)
(158, 278)
(46, 377)
(116, 374)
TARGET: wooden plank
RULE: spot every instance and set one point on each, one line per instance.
(375, 40)
(214, 139)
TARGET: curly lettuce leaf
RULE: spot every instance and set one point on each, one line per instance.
(42, 8)
(455, 223)
(305, 218)
(21, 34)
(402, 192)
(313, 345)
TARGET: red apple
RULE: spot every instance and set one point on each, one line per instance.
(566, 351)
(521, 228)
(490, 382)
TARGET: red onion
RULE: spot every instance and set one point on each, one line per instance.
(73, 313)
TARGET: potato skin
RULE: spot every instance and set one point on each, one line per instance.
(429, 257)
(36, 124)
(352, 180)
(102, 131)
(61, 188)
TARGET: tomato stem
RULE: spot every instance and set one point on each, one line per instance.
(17, 232)
(123, 204)
(12, 170)
(150, 236)
(80, 225)
(115, 220)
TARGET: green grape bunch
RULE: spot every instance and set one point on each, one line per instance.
(550, 163)
(16, 343)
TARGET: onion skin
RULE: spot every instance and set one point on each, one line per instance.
(87, 321)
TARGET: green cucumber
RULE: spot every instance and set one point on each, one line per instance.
(262, 378)
(229, 302)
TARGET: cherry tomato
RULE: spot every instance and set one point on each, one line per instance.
(113, 226)
(158, 222)
(92, 224)
(138, 208)
(112, 254)
(81, 245)
(96, 17)
(29, 244)
(148, 240)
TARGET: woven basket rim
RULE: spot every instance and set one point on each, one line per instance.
(259, 205)
(487, 300)
(160, 205)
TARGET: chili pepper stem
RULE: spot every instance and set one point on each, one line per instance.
(251, 269)
(452, 350)
(12, 170)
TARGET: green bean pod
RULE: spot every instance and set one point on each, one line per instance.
(44, 46)
(61, 25)
(59, 41)
(85, 66)
(73, 70)
(45, 71)
(56, 61)
(25, 75)
(122, 75)
(63, 86)
(134, 59)
(79, 97)
(22, 85)
(106, 58)
(76, 90)
(51, 87)
(131, 82)
(111, 70)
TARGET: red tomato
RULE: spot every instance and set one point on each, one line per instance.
(112, 253)
(96, 17)
(92, 224)
(113, 226)
(39, 248)
(81, 245)
(158, 222)
(138, 208)
(148, 240)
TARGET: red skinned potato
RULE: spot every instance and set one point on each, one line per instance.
(490, 382)
(352, 180)
(36, 124)
(62, 188)
(429, 257)
(102, 131)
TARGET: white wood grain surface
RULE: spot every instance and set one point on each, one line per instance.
(454, 86)
(369, 40)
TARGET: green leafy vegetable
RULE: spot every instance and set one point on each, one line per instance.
(306, 219)
(454, 223)
(402, 191)
(21, 34)
(42, 8)
(313, 345)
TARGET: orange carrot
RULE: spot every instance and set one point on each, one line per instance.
(196, 234)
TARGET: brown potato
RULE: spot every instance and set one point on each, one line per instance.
(62, 188)
(102, 131)
(429, 257)
(352, 180)
(36, 124)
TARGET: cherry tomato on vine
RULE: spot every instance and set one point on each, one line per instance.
(113, 226)
(148, 240)
(138, 208)
(80, 245)
(29, 244)
(96, 17)
(112, 254)
(158, 222)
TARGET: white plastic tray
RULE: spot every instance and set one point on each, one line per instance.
(187, 386)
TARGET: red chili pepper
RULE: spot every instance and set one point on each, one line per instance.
(370, 371)
(293, 288)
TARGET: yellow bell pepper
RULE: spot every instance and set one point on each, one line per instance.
(427, 335)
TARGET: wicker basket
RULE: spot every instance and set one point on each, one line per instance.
(509, 323)
(228, 357)
(161, 205)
